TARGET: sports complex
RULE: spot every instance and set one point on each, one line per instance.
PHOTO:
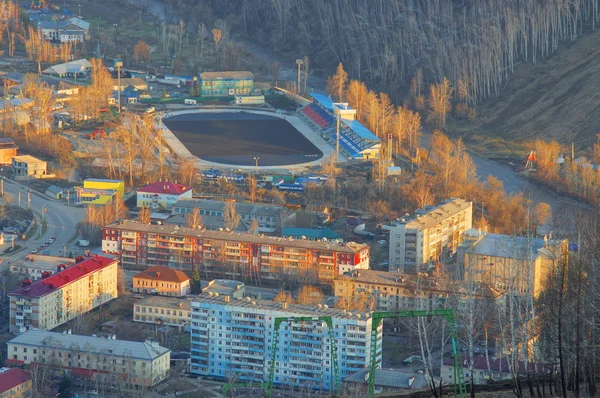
(248, 138)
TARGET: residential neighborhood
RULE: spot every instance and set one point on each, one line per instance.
(298, 199)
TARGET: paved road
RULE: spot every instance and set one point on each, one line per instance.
(61, 219)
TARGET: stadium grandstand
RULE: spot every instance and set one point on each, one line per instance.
(355, 139)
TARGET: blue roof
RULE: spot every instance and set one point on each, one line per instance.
(362, 131)
(323, 100)
(310, 233)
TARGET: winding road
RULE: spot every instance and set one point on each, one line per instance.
(61, 220)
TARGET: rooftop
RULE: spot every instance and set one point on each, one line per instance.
(309, 310)
(208, 222)
(60, 279)
(167, 302)
(497, 365)
(310, 233)
(77, 66)
(261, 209)
(42, 262)
(413, 283)
(226, 75)
(431, 216)
(163, 274)
(88, 344)
(130, 225)
(223, 286)
(10, 378)
(390, 378)
(27, 159)
(7, 143)
(169, 188)
(104, 180)
(362, 131)
(508, 246)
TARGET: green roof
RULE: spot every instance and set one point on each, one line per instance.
(310, 233)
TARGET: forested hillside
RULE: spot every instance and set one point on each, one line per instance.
(385, 42)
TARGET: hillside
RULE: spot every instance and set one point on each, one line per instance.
(557, 98)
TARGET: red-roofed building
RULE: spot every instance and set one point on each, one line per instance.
(162, 194)
(162, 280)
(15, 383)
(74, 290)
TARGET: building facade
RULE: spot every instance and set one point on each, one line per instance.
(168, 311)
(496, 370)
(162, 194)
(127, 364)
(15, 383)
(433, 235)
(226, 84)
(8, 150)
(269, 217)
(164, 281)
(73, 291)
(516, 263)
(388, 291)
(98, 191)
(227, 253)
(234, 338)
(29, 166)
(70, 30)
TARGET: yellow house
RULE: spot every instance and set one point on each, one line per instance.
(100, 191)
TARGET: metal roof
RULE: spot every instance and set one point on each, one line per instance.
(88, 344)
(268, 305)
(390, 378)
(435, 215)
(183, 304)
(323, 100)
(507, 246)
(130, 225)
(258, 209)
(226, 75)
(362, 131)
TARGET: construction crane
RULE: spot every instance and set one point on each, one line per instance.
(97, 134)
(377, 317)
(460, 389)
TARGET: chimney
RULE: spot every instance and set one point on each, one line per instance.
(227, 299)
(284, 305)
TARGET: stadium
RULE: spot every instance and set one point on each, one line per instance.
(254, 138)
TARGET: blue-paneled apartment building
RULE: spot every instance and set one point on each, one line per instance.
(231, 339)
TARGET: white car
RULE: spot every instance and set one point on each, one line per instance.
(34, 251)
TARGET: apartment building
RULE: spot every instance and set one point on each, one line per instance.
(170, 311)
(60, 297)
(391, 291)
(162, 280)
(129, 364)
(227, 253)
(269, 217)
(509, 262)
(15, 383)
(432, 235)
(233, 338)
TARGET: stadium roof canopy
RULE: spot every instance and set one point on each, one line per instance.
(323, 100)
(362, 131)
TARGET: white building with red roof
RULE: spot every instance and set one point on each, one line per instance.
(162, 194)
(75, 290)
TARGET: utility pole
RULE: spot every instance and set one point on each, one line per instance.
(337, 137)
(119, 64)
(299, 62)
(572, 152)
(29, 199)
(19, 198)
(2, 186)
(256, 159)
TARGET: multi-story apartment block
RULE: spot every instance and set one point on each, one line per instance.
(220, 252)
(516, 263)
(162, 280)
(389, 291)
(170, 311)
(431, 236)
(15, 383)
(54, 300)
(137, 365)
(233, 339)
(269, 217)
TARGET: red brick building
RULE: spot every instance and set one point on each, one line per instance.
(228, 254)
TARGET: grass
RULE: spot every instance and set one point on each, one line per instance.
(33, 230)
(12, 250)
(43, 230)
